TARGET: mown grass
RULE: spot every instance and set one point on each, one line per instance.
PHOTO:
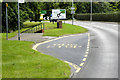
(66, 30)
(19, 60)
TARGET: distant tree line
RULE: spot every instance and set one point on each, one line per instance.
(33, 8)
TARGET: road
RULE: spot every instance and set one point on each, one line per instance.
(102, 60)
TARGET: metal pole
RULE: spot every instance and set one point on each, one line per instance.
(102, 6)
(72, 14)
(18, 23)
(6, 22)
(43, 26)
(91, 12)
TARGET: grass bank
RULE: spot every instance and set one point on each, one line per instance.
(20, 61)
(67, 29)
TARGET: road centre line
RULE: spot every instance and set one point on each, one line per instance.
(81, 64)
(86, 53)
(84, 59)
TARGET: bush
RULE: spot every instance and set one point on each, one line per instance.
(112, 17)
(82, 16)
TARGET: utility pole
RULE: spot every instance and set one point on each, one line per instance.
(6, 22)
(18, 22)
(91, 12)
(102, 6)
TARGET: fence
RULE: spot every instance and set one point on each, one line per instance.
(35, 28)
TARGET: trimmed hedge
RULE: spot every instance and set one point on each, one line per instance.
(112, 17)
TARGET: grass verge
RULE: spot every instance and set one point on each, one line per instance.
(67, 29)
(20, 61)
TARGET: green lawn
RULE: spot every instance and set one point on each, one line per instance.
(20, 61)
(67, 29)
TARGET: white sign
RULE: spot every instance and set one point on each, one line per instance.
(72, 12)
(21, 1)
(72, 8)
(58, 14)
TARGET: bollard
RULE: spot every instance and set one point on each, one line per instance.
(59, 24)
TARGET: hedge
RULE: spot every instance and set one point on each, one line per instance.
(112, 17)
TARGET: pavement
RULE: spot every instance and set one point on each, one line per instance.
(35, 37)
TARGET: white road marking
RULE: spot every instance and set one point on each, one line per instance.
(84, 59)
(85, 55)
(81, 64)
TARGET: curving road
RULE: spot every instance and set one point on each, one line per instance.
(102, 60)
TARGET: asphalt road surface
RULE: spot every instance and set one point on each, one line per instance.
(71, 48)
(102, 60)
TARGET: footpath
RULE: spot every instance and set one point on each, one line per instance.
(35, 37)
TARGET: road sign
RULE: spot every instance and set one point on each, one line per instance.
(6, 4)
(41, 16)
(43, 12)
(72, 12)
(58, 13)
(72, 8)
(21, 1)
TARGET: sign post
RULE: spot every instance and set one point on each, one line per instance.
(72, 12)
(6, 22)
(19, 1)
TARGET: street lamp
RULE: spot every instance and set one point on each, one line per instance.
(91, 12)
(18, 22)
(72, 12)
(19, 1)
(6, 22)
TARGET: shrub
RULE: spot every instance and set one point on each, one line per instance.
(112, 17)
